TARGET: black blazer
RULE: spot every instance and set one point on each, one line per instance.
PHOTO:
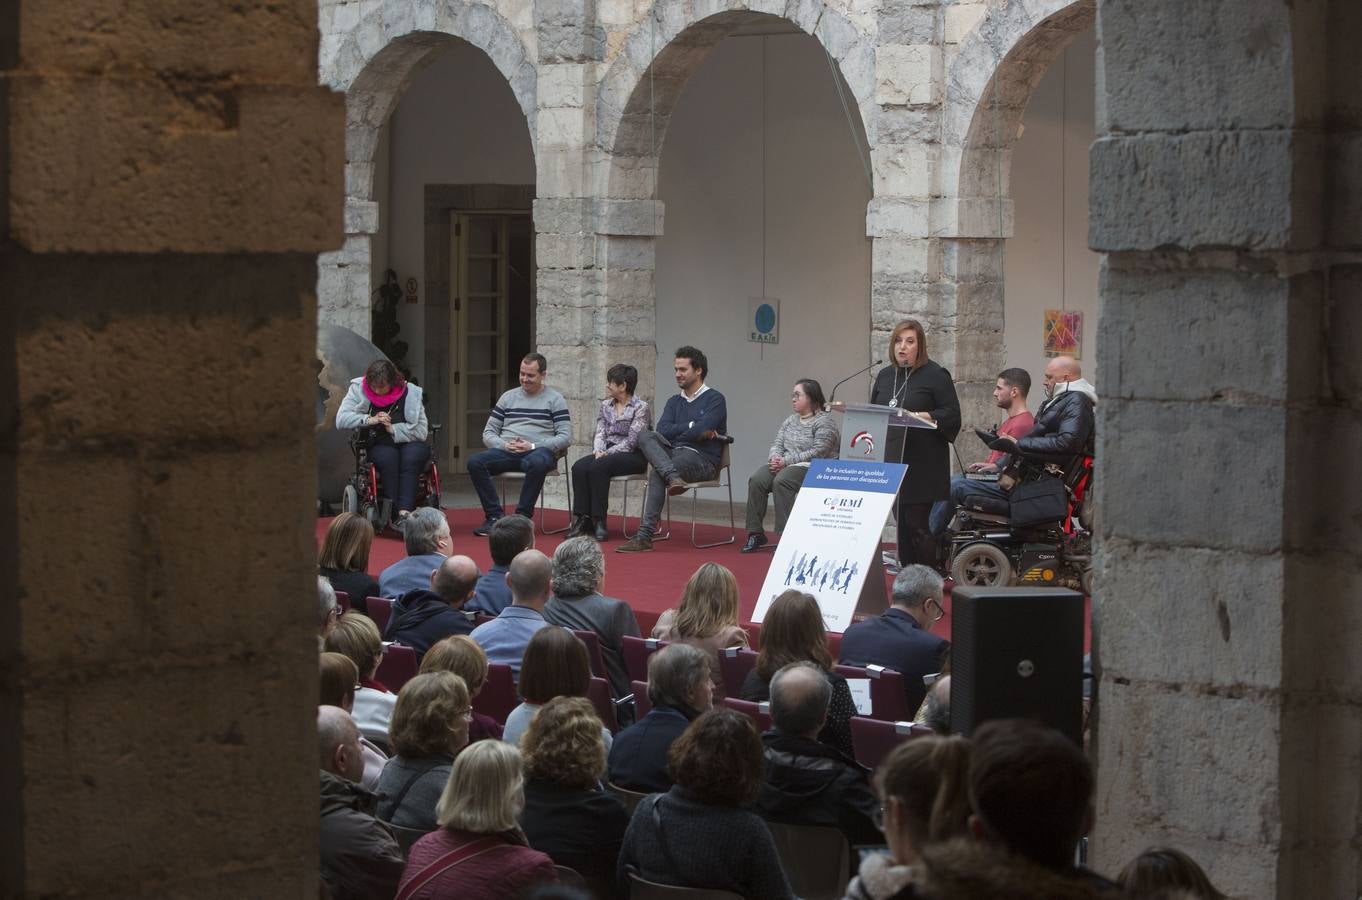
(894, 640)
(927, 453)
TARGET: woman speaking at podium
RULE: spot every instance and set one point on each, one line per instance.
(914, 383)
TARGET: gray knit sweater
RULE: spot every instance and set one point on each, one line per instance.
(799, 442)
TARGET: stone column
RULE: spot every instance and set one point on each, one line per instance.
(169, 182)
(1230, 706)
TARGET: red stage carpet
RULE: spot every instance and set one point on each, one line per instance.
(650, 582)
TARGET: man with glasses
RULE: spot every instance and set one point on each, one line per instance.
(900, 638)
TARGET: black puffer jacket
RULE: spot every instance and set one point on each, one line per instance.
(421, 619)
(809, 783)
(359, 856)
(1064, 425)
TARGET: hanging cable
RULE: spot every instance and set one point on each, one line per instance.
(851, 125)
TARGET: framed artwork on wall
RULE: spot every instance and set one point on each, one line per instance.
(1062, 333)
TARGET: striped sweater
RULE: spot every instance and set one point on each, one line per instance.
(541, 419)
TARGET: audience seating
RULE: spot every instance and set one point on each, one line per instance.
(636, 651)
(380, 610)
(624, 505)
(642, 705)
(888, 692)
(816, 859)
(343, 601)
(629, 798)
(760, 713)
(406, 836)
(399, 666)
(734, 664)
(874, 739)
(598, 692)
(559, 471)
(723, 478)
(497, 697)
(642, 889)
(593, 651)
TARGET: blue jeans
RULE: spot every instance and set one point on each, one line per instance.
(399, 469)
(536, 464)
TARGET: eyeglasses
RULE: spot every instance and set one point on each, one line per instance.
(466, 713)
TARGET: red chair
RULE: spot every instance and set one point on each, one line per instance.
(889, 698)
(380, 610)
(636, 651)
(760, 713)
(593, 651)
(873, 739)
(734, 664)
(343, 601)
(642, 705)
(497, 697)
(598, 692)
(399, 666)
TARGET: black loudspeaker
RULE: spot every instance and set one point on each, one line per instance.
(1017, 652)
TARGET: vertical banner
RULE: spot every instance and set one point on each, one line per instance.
(832, 540)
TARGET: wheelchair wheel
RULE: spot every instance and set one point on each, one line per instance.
(350, 499)
(981, 564)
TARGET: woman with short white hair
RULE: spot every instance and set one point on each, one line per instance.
(479, 851)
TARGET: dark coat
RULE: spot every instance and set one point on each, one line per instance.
(926, 452)
(894, 640)
(837, 732)
(611, 619)
(421, 619)
(358, 585)
(809, 783)
(1064, 428)
(638, 755)
(359, 856)
(580, 829)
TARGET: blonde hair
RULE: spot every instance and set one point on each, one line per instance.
(485, 791)
(356, 636)
(347, 542)
(709, 603)
(564, 743)
(461, 655)
(427, 715)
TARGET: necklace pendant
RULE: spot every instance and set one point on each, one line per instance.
(893, 401)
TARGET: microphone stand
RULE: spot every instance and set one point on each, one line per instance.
(833, 395)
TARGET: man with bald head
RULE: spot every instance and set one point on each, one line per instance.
(808, 782)
(530, 577)
(360, 859)
(423, 618)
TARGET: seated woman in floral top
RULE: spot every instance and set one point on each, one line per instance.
(623, 417)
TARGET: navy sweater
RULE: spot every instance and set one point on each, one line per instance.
(683, 421)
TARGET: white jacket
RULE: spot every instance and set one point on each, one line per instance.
(354, 409)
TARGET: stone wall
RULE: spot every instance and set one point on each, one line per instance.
(172, 171)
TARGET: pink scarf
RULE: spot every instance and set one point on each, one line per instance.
(387, 399)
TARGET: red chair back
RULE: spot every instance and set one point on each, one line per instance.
(889, 695)
(399, 666)
(593, 651)
(636, 651)
(343, 601)
(874, 739)
(642, 705)
(380, 610)
(734, 664)
(598, 692)
(497, 697)
(760, 713)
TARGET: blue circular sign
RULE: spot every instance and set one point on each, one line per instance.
(766, 318)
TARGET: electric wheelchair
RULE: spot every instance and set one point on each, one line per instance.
(361, 494)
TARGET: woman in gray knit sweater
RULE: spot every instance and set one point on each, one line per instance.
(810, 433)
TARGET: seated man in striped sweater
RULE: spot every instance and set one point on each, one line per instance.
(526, 431)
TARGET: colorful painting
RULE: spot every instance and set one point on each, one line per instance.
(1063, 333)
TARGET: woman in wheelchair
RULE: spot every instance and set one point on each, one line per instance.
(390, 411)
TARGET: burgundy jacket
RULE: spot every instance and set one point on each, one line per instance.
(503, 871)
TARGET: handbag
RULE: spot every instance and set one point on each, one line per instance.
(1038, 502)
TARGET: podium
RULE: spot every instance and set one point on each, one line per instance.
(869, 428)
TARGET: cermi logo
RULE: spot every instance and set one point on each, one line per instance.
(866, 441)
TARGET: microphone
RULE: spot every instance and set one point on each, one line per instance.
(833, 396)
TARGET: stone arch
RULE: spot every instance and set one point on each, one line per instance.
(373, 62)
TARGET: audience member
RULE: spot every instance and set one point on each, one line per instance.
(577, 603)
(680, 689)
(700, 833)
(461, 655)
(1162, 873)
(422, 618)
(567, 813)
(426, 537)
(556, 665)
(509, 537)
(356, 636)
(807, 782)
(687, 445)
(360, 859)
(330, 610)
(923, 787)
(899, 638)
(809, 433)
(793, 631)
(344, 558)
(339, 681)
(430, 727)
(527, 429)
(479, 851)
(706, 617)
(935, 711)
(504, 638)
(622, 420)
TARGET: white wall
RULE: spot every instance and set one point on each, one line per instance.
(1059, 127)
(709, 261)
(457, 123)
